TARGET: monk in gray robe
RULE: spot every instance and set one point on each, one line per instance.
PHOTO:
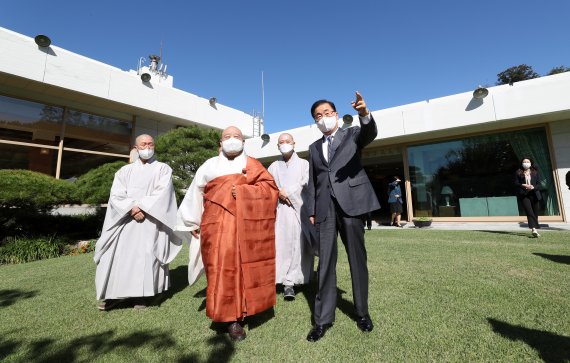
(293, 256)
(137, 241)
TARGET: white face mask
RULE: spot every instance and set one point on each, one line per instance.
(232, 146)
(146, 154)
(327, 123)
(285, 148)
(526, 165)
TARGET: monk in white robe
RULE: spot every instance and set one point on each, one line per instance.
(293, 256)
(230, 211)
(137, 241)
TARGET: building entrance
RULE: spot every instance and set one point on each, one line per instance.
(381, 169)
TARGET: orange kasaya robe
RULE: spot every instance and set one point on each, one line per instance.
(238, 243)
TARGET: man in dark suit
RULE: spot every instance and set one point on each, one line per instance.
(340, 193)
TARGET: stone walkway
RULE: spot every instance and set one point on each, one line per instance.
(488, 226)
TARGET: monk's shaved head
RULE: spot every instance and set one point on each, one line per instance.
(232, 131)
(285, 138)
(144, 138)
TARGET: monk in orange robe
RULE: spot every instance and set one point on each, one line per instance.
(230, 207)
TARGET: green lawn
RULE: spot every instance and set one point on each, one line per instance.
(434, 296)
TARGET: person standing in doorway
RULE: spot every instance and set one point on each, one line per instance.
(526, 182)
(395, 201)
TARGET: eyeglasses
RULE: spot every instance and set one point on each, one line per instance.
(327, 113)
(145, 144)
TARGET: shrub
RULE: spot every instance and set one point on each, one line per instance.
(21, 250)
(34, 191)
(94, 186)
(25, 193)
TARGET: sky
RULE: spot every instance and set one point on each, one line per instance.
(393, 52)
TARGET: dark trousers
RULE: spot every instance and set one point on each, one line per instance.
(531, 208)
(352, 235)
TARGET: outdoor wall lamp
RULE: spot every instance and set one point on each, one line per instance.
(480, 93)
(42, 40)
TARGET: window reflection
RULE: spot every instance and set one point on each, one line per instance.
(28, 121)
(75, 164)
(473, 177)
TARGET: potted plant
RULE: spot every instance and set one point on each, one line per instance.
(422, 222)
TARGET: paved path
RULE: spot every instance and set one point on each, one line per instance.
(488, 226)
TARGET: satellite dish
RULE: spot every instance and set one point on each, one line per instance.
(265, 137)
(480, 93)
(42, 40)
(145, 77)
(347, 119)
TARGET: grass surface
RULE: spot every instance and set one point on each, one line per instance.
(434, 296)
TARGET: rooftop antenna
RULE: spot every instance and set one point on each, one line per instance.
(262, 97)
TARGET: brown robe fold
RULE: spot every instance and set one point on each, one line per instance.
(238, 243)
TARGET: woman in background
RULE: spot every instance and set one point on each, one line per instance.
(526, 181)
(395, 201)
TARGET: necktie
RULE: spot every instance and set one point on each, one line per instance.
(329, 141)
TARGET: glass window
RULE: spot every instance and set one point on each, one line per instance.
(28, 121)
(97, 133)
(474, 177)
(38, 159)
(75, 164)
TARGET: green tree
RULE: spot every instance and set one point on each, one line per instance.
(559, 69)
(94, 186)
(184, 149)
(514, 74)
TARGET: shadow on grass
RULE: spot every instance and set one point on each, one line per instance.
(345, 306)
(550, 347)
(554, 258)
(89, 347)
(521, 234)
(7, 346)
(259, 319)
(544, 226)
(179, 281)
(10, 297)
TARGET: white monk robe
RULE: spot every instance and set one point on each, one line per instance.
(293, 257)
(132, 257)
(192, 207)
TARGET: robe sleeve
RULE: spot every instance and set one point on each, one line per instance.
(118, 209)
(120, 204)
(190, 211)
(297, 192)
(161, 202)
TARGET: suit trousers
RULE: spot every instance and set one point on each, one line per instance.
(351, 231)
(531, 208)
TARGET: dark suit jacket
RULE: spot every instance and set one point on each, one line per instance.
(520, 180)
(343, 173)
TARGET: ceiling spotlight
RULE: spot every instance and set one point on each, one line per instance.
(145, 77)
(265, 137)
(212, 101)
(42, 40)
(347, 119)
(480, 93)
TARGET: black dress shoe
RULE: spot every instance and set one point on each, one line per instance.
(318, 332)
(364, 323)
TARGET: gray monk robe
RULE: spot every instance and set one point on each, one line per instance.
(132, 257)
(293, 257)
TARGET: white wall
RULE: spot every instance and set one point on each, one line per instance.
(560, 132)
(54, 66)
(455, 115)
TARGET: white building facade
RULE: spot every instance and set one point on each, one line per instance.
(458, 154)
(63, 114)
